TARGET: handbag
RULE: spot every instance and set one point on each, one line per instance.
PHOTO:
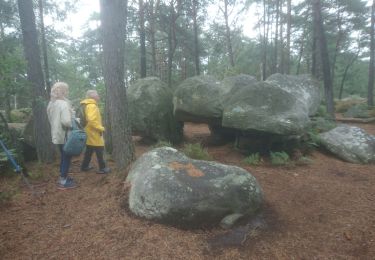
(75, 141)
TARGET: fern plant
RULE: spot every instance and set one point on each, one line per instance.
(196, 151)
(279, 158)
(253, 159)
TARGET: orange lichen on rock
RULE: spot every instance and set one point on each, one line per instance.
(190, 169)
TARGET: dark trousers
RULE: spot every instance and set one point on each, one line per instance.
(64, 162)
(99, 150)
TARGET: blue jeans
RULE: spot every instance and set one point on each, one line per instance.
(64, 162)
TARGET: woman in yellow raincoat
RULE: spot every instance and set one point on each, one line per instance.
(94, 130)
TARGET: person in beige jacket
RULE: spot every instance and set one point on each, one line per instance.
(60, 115)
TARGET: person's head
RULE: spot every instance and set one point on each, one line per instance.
(93, 94)
(59, 90)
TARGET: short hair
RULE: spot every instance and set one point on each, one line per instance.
(59, 90)
(91, 93)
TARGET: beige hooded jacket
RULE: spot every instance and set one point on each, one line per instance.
(60, 118)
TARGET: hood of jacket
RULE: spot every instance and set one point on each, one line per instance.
(88, 101)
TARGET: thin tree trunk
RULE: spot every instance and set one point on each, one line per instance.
(170, 42)
(113, 37)
(42, 129)
(301, 50)
(142, 38)
(228, 34)
(44, 49)
(152, 23)
(346, 73)
(264, 58)
(288, 32)
(328, 89)
(196, 43)
(314, 51)
(338, 43)
(370, 87)
(275, 57)
(281, 31)
(8, 108)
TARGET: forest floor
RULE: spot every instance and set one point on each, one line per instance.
(324, 210)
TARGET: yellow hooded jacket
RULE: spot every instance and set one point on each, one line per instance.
(94, 127)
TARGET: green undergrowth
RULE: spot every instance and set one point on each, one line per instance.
(196, 151)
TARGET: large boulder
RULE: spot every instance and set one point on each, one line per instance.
(151, 110)
(266, 107)
(198, 99)
(171, 188)
(233, 84)
(350, 143)
(302, 87)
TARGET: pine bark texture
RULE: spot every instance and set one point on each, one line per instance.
(328, 88)
(370, 90)
(44, 48)
(113, 22)
(196, 38)
(142, 38)
(35, 77)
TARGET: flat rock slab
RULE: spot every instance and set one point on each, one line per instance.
(350, 143)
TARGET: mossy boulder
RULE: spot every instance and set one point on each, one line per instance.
(350, 143)
(267, 108)
(171, 188)
(198, 99)
(151, 111)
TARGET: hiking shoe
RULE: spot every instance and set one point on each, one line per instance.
(104, 171)
(87, 169)
(69, 184)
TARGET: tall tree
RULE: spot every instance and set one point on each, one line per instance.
(113, 22)
(228, 36)
(35, 76)
(142, 38)
(196, 36)
(288, 32)
(370, 91)
(328, 88)
(44, 47)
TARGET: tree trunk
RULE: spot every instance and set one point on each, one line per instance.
(300, 54)
(370, 88)
(346, 73)
(328, 89)
(113, 37)
(288, 32)
(196, 43)
(275, 64)
(142, 39)
(281, 44)
(314, 51)
(337, 47)
(44, 49)
(171, 41)
(228, 34)
(42, 129)
(152, 23)
(264, 54)
(8, 108)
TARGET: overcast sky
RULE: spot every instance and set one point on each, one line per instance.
(75, 22)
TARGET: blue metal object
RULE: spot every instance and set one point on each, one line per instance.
(11, 158)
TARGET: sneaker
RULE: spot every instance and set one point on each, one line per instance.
(69, 184)
(87, 169)
(104, 171)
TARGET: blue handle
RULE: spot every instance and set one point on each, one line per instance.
(10, 157)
